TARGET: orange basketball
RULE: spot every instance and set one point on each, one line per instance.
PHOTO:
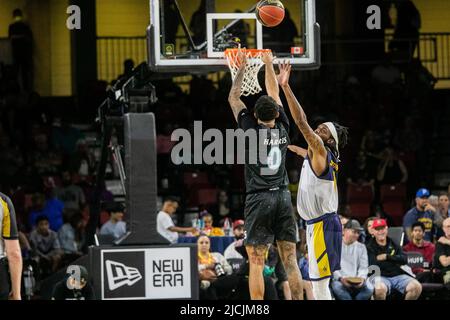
(270, 12)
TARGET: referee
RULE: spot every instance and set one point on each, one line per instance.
(10, 254)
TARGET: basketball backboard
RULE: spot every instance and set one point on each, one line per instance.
(191, 35)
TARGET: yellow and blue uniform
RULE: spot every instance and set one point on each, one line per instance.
(317, 204)
(7, 223)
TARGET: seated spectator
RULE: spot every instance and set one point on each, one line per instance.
(391, 169)
(442, 254)
(64, 136)
(238, 231)
(369, 232)
(82, 161)
(71, 194)
(363, 173)
(164, 224)
(46, 249)
(303, 265)
(51, 208)
(389, 257)
(72, 287)
(221, 209)
(350, 282)
(211, 265)
(377, 211)
(71, 237)
(426, 248)
(114, 226)
(442, 213)
(422, 212)
(208, 228)
(343, 218)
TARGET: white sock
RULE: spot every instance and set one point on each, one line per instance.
(321, 289)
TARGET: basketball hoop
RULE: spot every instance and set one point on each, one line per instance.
(250, 84)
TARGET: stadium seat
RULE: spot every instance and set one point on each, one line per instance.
(197, 179)
(359, 199)
(397, 235)
(393, 199)
(207, 196)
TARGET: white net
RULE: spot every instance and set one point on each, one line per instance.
(250, 84)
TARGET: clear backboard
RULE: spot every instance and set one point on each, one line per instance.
(192, 35)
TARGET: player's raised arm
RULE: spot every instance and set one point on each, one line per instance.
(272, 87)
(234, 98)
(315, 143)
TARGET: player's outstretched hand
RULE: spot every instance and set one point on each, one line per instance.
(241, 60)
(285, 72)
(267, 57)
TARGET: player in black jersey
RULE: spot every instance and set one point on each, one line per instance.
(268, 209)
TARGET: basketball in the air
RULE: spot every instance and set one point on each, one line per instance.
(270, 13)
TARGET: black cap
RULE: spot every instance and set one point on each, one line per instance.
(72, 271)
(353, 224)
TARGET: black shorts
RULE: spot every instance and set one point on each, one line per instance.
(4, 279)
(269, 217)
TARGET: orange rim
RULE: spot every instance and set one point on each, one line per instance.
(232, 53)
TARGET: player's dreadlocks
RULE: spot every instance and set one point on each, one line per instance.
(342, 134)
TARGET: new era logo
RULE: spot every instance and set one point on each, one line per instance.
(120, 275)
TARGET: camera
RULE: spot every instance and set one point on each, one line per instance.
(219, 270)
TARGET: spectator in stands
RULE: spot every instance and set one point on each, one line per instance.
(221, 209)
(211, 265)
(377, 211)
(238, 231)
(391, 169)
(306, 281)
(425, 248)
(422, 212)
(45, 246)
(51, 208)
(164, 223)
(44, 159)
(408, 138)
(71, 237)
(389, 257)
(64, 136)
(71, 194)
(442, 254)
(114, 226)
(350, 282)
(21, 38)
(368, 230)
(74, 286)
(344, 218)
(443, 212)
(82, 161)
(363, 174)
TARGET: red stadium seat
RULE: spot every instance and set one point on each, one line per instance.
(192, 179)
(393, 198)
(359, 199)
(207, 196)
(390, 192)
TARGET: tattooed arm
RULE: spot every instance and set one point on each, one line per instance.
(234, 97)
(316, 148)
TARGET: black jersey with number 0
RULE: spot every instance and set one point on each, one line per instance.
(269, 171)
